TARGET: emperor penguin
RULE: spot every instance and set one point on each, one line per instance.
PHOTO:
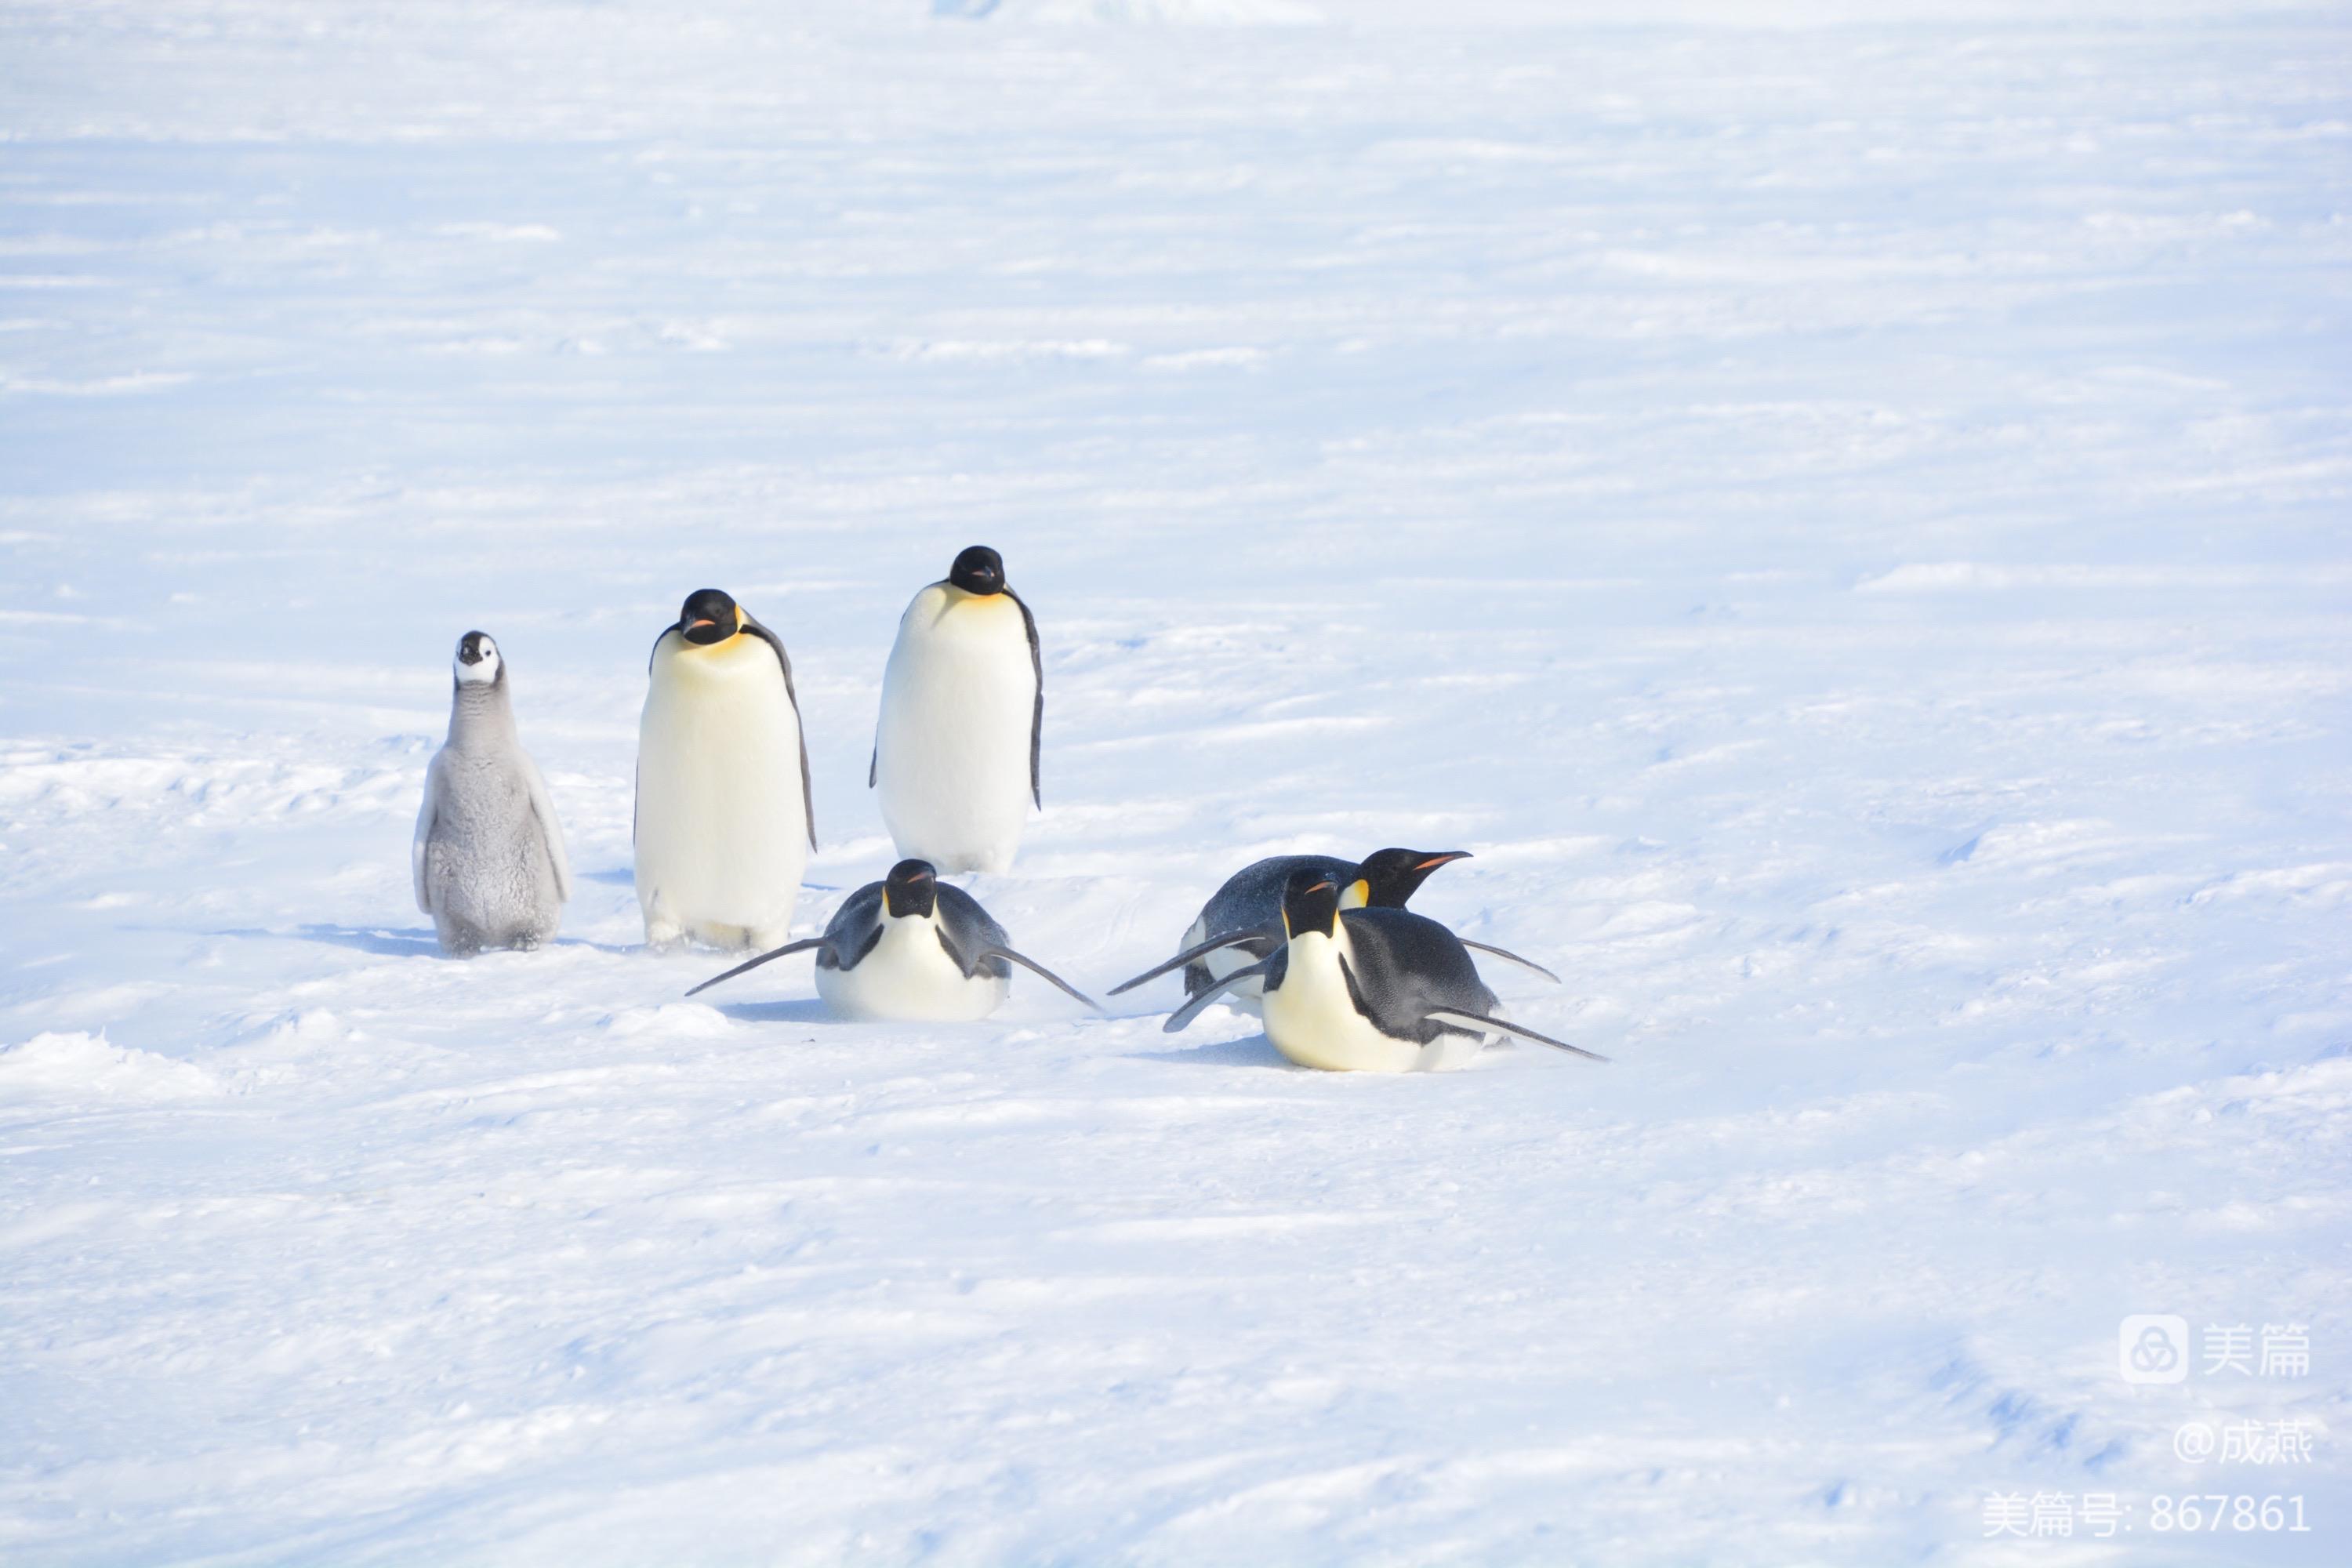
(1369, 990)
(488, 858)
(723, 820)
(964, 712)
(1242, 922)
(910, 947)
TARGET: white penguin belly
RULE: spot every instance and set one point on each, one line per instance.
(909, 976)
(1247, 994)
(951, 749)
(722, 832)
(1312, 1020)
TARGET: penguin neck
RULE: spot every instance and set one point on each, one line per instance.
(912, 939)
(480, 716)
(1319, 951)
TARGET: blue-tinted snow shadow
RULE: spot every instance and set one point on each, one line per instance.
(800, 1010)
(1249, 1051)
(408, 942)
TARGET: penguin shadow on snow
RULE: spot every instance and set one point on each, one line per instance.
(390, 942)
(1241, 1051)
(798, 1010)
(396, 942)
(1258, 1051)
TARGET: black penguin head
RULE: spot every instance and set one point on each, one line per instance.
(978, 569)
(709, 617)
(1389, 877)
(912, 887)
(478, 662)
(1310, 902)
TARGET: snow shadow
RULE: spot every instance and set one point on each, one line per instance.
(800, 1010)
(1247, 1051)
(394, 942)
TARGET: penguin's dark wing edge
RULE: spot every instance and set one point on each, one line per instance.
(674, 625)
(1503, 1027)
(784, 951)
(1259, 943)
(1192, 1009)
(1037, 711)
(808, 800)
(1034, 967)
(970, 963)
(1515, 958)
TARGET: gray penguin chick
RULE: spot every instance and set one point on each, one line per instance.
(488, 855)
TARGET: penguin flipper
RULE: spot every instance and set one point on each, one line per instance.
(1515, 958)
(873, 765)
(1456, 1018)
(1034, 967)
(551, 832)
(426, 815)
(1260, 942)
(808, 799)
(784, 951)
(1192, 1009)
(1037, 708)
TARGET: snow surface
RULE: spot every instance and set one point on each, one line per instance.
(1848, 524)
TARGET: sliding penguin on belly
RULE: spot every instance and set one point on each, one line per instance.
(724, 824)
(1369, 990)
(910, 947)
(963, 709)
(1242, 922)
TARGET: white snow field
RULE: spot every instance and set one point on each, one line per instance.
(1851, 523)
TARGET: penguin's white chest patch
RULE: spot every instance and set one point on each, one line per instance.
(721, 829)
(952, 750)
(1312, 1019)
(909, 976)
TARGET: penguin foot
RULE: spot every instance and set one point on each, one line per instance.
(663, 935)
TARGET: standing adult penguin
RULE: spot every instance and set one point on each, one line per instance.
(1369, 990)
(957, 747)
(912, 947)
(1242, 922)
(724, 823)
(488, 858)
